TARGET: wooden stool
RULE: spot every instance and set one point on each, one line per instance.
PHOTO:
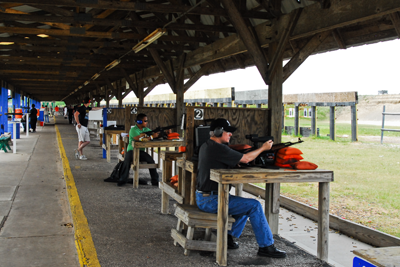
(192, 217)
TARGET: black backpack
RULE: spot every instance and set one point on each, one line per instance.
(114, 177)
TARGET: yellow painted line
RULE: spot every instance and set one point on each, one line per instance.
(83, 239)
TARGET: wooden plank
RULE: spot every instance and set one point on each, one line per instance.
(222, 225)
(323, 221)
(166, 175)
(303, 54)
(193, 244)
(170, 191)
(321, 97)
(259, 175)
(250, 42)
(358, 231)
(381, 257)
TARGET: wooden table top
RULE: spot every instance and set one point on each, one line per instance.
(385, 257)
(159, 143)
(114, 131)
(262, 175)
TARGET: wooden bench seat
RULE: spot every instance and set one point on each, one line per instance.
(192, 217)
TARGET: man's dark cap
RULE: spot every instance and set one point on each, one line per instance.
(86, 100)
(222, 123)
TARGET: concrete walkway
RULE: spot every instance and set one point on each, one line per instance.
(34, 211)
(126, 225)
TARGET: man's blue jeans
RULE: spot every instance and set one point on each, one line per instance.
(46, 118)
(241, 208)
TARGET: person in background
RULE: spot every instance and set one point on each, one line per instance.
(46, 114)
(70, 113)
(56, 111)
(82, 120)
(216, 154)
(33, 117)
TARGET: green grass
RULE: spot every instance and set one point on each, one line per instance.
(366, 186)
(344, 128)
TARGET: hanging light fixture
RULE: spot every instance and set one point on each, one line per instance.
(112, 64)
(149, 39)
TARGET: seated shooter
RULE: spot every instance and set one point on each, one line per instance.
(137, 133)
(216, 154)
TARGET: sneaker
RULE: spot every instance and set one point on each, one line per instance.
(76, 153)
(272, 252)
(83, 157)
(232, 244)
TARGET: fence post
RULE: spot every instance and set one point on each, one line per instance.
(383, 123)
(354, 124)
(332, 126)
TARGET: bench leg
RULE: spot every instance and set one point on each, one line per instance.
(189, 236)
(207, 236)
(179, 229)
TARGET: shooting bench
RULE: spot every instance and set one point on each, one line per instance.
(108, 134)
(191, 217)
(166, 188)
(4, 143)
(150, 144)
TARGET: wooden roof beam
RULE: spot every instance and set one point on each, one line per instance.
(247, 38)
(339, 39)
(303, 54)
(395, 18)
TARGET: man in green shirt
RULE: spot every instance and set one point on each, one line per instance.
(137, 133)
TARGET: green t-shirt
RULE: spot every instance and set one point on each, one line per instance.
(135, 131)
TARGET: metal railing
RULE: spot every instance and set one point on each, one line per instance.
(383, 122)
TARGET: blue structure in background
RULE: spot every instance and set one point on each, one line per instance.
(104, 136)
(3, 109)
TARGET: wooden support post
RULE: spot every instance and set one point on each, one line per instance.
(272, 193)
(354, 124)
(283, 116)
(323, 221)
(222, 224)
(332, 126)
(167, 170)
(314, 120)
(140, 96)
(296, 120)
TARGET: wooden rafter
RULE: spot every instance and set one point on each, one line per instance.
(303, 54)
(247, 38)
(396, 22)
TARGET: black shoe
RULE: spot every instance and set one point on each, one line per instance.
(272, 252)
(121, 183)
(142, 181)
(154, 183)
(232, 244)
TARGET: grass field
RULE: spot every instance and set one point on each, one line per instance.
(366, 186)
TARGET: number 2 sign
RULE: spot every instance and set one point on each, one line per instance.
(198, 114)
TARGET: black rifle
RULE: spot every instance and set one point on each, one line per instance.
(162, 134)
(266, 158)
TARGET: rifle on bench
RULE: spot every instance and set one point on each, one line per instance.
(162, 134)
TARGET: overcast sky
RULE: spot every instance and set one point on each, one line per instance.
(366, 69)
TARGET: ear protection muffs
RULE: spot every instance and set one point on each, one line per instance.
(139, 121)
(218, 131)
